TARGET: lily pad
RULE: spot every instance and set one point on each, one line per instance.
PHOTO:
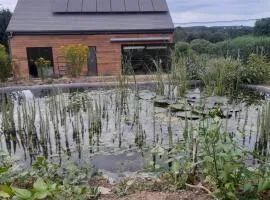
(163, 103)
(187, 115)
(179, 107)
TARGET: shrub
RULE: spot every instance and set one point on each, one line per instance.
(76, 57)
(182, 49)
(242, 47)
(5, 64)
(202, 46)
(257, 70)
(221, 76)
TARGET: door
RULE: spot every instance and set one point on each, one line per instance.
(34, 53)
(92, 62)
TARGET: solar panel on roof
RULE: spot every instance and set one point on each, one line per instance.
(103, 5)
(146, 5)
(59, 5)
(109, 6)
(89, 6)
(74, 6)
(132, 5)
(118, 5)
(160, 5)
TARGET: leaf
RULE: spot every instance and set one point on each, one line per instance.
(53, 186)
(40, 185)
(42, 195)
(4, 194)
(266, 184)
(6, 189)
(4, 169)
(248, 187)
(22, 193)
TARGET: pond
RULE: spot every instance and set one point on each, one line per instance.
(115, 129)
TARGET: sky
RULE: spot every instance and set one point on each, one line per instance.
(223, 11)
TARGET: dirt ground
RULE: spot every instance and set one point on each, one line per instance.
(111, 194)
(184, 195)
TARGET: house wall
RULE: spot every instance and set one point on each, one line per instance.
(108, 54)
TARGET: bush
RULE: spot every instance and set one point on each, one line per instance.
(221, 76)
(5, 64)
(257, 70)
(76, 57)
(182, 49)
(202, 46)
(242, 47)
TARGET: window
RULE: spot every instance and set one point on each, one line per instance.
(34, 53)
(144, 59)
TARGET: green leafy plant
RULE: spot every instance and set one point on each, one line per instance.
(76, 57)
(257, 70)
(5, 64)
(222, 76)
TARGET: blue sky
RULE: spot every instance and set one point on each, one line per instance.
(186, 11)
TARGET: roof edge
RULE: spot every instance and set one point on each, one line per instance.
(81, 32)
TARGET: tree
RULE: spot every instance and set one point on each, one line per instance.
(5, 64)
(5, 16)
(262, 27)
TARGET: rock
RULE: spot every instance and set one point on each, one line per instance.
(104, 190)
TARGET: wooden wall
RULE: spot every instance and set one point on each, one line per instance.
(108, 53)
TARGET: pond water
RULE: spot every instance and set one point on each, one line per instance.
(113, 129)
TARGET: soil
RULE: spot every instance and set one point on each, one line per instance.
(192, 194)
(184, 195)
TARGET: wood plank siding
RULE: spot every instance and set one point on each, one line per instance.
(108, 53)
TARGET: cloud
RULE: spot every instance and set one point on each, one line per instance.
(8, 4)
(185, 11)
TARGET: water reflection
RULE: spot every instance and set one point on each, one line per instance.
(105, 125)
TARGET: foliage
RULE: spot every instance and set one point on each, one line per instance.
(182, 49)
(44, 180)
(223, 165)
(212, 157)
(242, 47)
(76, 57)
(257, 70)
(5, 64)
(211, 34)
(221, 76)
(42, 66)
(202, 46)
(5, 16)
(262, 27)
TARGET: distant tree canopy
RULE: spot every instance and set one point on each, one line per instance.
(262, 27)
(211, 34)
(5, 16)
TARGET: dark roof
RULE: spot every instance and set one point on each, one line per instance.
(38, 16)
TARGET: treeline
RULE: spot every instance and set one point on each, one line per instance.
(222, 33)
(211, 34)
(238, 48)
(5, 16)
(235, 42)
